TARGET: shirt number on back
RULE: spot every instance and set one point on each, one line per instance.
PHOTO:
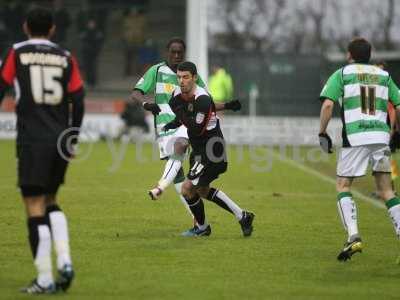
(368, 99)
(45, 84)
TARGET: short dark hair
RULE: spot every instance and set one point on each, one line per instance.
(188, 66)
(382, 63)
(360, 50)
(176, 40)
(39, 21)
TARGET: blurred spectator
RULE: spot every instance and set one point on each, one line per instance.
(83, 16)
(13, 15)
(91, 44)
(133, 29)
(220, 85)
(62, 21)
(4, 39)
(134, 122)
(148, 55)
(100, 11)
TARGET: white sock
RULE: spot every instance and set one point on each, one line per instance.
(232, 205)
(348, 213)
(171, 169)
(59, 229)
(393, 206)
(178, 188)
(204, 226)
(43, 257)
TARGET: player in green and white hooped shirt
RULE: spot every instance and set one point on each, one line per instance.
(161, 80)
(362, 91)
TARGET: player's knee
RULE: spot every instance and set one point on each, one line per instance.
(181, 146)
(187, 189)
(35, 205)
(203, 191)
(343, 185)
(50, 199)
(386, 194)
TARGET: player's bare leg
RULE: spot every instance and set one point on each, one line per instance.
(171, 169)
(40, 242)
(59, 231)
(173, 173)
(384, 187)
(196, 206)
(348, 214)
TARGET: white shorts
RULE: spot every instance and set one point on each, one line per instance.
(353, 161)
(166, 143)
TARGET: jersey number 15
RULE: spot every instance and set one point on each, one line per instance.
(46, 88)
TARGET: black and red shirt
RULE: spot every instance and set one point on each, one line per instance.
(45, 77)
(198, 115)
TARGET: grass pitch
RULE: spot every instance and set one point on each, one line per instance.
(125, 246)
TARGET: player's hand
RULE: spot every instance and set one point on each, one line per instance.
(325, 142)
(234, 105)
(153, 107)
(394, 141)
(169, 126)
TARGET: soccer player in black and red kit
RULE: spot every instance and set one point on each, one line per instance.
(47, 82)
(195, 109)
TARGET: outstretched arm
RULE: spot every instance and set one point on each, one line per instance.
(137, 96)
(233, 105)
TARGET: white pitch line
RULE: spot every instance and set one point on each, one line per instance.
(325, 178)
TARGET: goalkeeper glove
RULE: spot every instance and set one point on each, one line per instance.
(154, 108)
(325, 142)
(234, 105)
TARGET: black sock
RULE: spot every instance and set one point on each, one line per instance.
(33, 229)
(212, 196)
(196, 206)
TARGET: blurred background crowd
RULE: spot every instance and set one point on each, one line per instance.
(277, 51)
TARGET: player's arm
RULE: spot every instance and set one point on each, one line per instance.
(394, 98)
(144, 86)
(76, 95)
(177, 109)
(172, 125)
(325, 115)
(7, 73)
(203, 108)
(233, 105)
(330, 94)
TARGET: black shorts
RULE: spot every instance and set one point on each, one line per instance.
(209, 172)
(40, 166)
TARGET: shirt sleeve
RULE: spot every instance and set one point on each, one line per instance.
(7, 72)
(147, 83)
(203, 108)
(333, 88)
(8, 67)
(75, 81)
(394, 95)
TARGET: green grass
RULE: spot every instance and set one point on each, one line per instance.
(127, 247)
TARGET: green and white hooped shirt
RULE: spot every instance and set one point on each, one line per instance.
(162, 81)
(363, 92)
